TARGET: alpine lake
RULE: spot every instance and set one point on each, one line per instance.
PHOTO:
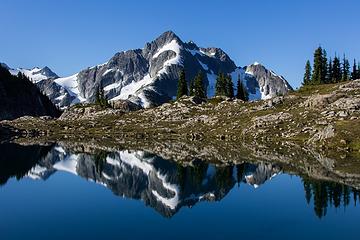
(58, 191)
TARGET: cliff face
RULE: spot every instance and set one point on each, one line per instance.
(148, 76)
(20, 97)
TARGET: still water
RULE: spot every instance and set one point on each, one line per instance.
(50, 192)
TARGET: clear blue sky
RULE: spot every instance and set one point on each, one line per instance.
(70, 35)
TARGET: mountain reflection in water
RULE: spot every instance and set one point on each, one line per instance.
(162, 184)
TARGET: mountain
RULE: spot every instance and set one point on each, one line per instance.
(20, 97)
(35, 74)
(148, 76)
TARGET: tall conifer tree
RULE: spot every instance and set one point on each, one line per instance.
(229, 87)
(307, 74)
(241, 92)
(336, 70)
(345, 69)
(199, 89)
(317, 66)
(329, 76)
(191, 88)
(354, 73)
(220, 86)
(324, 67)
(182, 85)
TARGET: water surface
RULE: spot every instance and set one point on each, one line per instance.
(50, 192)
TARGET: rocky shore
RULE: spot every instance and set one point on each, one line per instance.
(323, 118)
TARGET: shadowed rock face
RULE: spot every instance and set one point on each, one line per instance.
(148, 76)
(17, 161)
(19, 97)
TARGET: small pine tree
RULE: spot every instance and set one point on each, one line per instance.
(220, 85)
(345, 69)
(318, 66)
(191, 88)
(229, 87)
(307, 74)
(329, 76)
(354, 73)
(182, 86)
(100, 98)
(199, 89)
(97, 97)
(336, 70)
(324, 67)
(241, 91)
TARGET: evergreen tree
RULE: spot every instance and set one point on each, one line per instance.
(318, 66)
(191, 88)
(100, 98)
(97, 97)
(238, 87)
(199, 89)
(182, 86)
(241, 91)
(345, 69)
(329, 75)
(229, 87)
(354, 74)
(220, 85)
(336, 70)
(324, 67)
(307, 74)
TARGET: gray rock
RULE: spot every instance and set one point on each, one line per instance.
(325, 133)
(148, 76)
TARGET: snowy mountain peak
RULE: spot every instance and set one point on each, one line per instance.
(148, 76)
(270, 83)
(36, 74)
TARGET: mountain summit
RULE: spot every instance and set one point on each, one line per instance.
(148, 76)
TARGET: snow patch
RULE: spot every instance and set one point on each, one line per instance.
(170, 202)
(71, 86)
(171, 46)
(112, 86)
(68, 164)
(107, 71)
(133, 87)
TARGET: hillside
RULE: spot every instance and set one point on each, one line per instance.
(324, 118)
(20, 97)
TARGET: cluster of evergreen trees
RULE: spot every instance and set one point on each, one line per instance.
(100, 99)
(325, 193)
(196, 88)
(223, 87)
(326, 70)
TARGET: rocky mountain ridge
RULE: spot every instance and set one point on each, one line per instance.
(148, 76)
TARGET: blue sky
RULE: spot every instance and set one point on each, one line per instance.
(70, 35)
